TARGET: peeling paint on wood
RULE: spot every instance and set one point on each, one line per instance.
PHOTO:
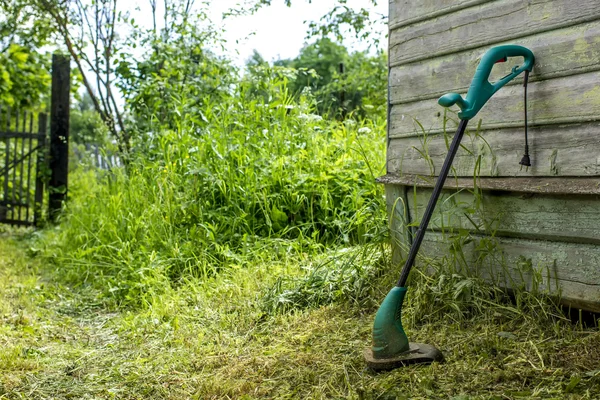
(486, 24)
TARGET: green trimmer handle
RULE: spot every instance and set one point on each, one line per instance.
(481, 90)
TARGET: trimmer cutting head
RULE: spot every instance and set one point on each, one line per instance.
(391, 348)
(417, 353)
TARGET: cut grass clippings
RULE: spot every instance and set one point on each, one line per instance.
(212, 339)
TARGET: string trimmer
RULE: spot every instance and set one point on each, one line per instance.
(391, 348)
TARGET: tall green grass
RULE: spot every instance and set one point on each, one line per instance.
(226, 187)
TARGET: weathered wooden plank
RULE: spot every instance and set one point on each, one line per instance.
(405, 12)
(486, 24)
(568, 268)
(534, 185)
(563, 52)
(574, 262)
(569, 99)
(558, 218)
(556, 150)
(572, 267)
(580, 296)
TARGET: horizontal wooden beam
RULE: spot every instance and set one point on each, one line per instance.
(544, 185)
(19, 135)
(563, 218)
(16, 222)
(570, 99)
(406, 12)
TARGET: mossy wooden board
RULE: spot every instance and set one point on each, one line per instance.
(486, 24)
(543, 217)
(570, 99)
(568, 268)
(405, 12)
(568, 51)
(556, 150)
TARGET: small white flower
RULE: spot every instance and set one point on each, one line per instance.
(310, 117)
(364, 129)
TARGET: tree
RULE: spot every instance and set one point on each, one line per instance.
(22, 24)
(77, 24)
(255, 60)
(342, 82)
(175, 59)
(338, 22)
(87, 126)
(177, 75)
(24, 77)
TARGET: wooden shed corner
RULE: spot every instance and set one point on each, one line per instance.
(536, 226)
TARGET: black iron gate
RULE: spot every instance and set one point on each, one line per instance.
(22, 165)
(28, 159)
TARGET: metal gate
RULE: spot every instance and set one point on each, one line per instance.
(22, 166)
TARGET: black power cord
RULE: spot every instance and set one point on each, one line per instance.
(526, 161)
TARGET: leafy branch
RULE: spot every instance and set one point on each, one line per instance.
(78, 24)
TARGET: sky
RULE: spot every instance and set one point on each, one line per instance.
(275, 31)
(278, 31)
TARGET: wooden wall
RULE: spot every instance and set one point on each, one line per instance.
(548, 213)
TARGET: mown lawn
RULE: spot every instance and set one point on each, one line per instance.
(213, 340)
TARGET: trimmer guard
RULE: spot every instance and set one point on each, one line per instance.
(418, 353)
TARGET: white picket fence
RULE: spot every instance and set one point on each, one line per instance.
(96, 157)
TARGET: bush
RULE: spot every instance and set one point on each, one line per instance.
(196, 199)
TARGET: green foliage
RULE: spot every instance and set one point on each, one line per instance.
(340, 21)
(176, 77)
(363, 84)
(345, 276)
(199, 198)
(342, 82)
(87, 126)
(24, 66)
(22, 23)
(343, 20)
(24, 78)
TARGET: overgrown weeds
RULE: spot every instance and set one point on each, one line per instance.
(204, 197)
(347, 276)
